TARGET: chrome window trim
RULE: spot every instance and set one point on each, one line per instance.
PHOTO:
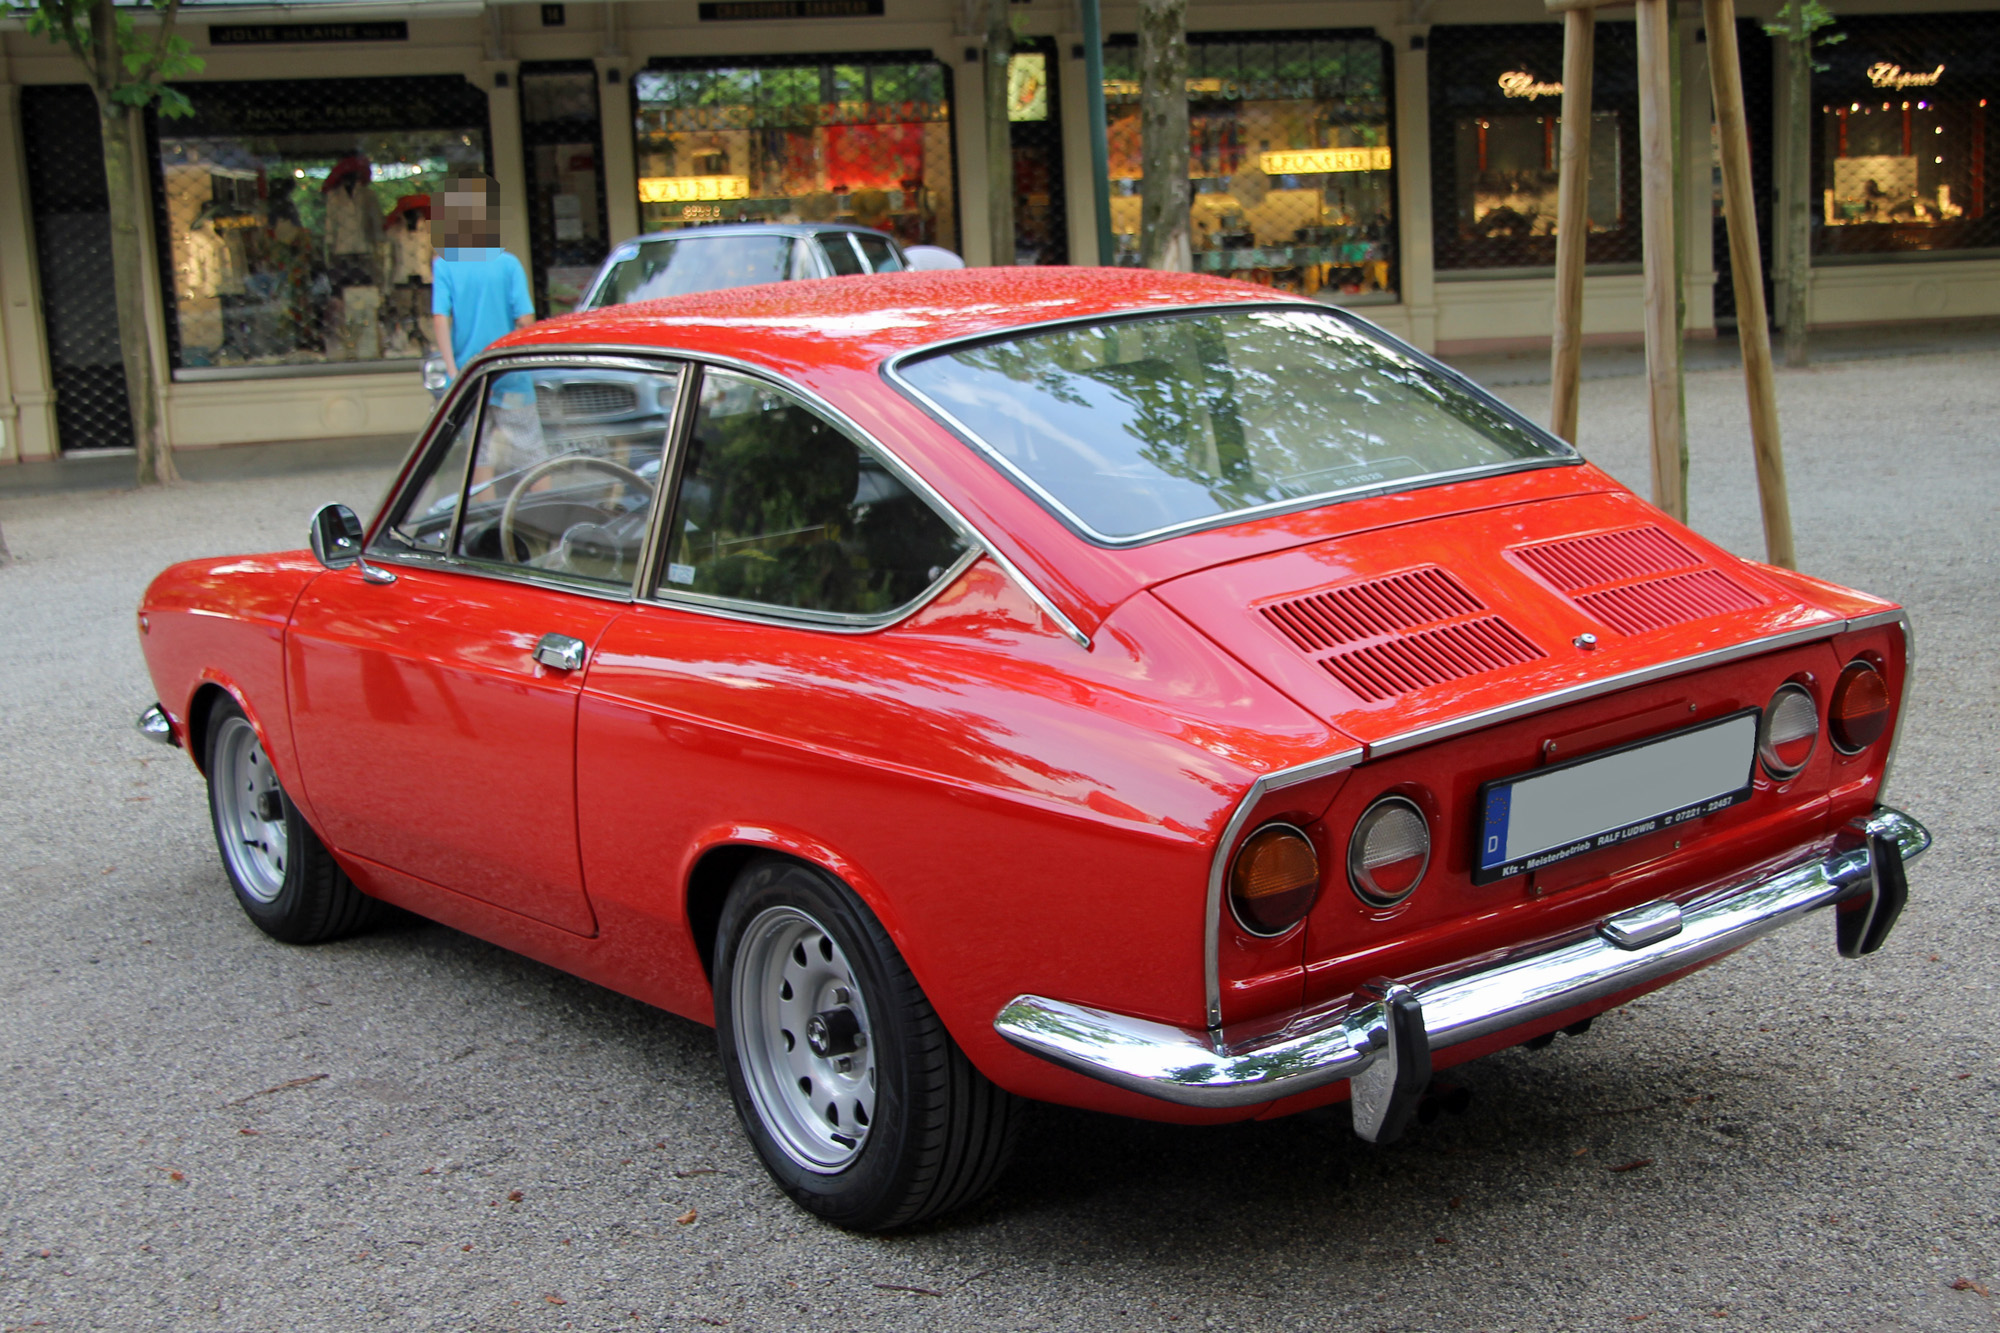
(1218, 869)
(377, 544)
(758, 613)
(1567, 454)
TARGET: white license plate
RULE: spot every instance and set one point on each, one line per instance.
(1537, 819)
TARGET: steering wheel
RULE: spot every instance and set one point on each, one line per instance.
(543, 469)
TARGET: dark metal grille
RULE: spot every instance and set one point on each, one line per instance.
(1292, 159)
(1496, 103)
(1034, 110)
(72, 219)
(862, 138)
(1904, 140)
(562, 142)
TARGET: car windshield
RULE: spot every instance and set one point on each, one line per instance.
(680, 265)
(1136, 427)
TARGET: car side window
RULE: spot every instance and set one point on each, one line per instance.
(840, 253)
(778, 506)
(567, 462)
(424, 523)
(881, 255)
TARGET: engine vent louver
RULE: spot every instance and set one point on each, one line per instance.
(1392, 635)
(1636, 580)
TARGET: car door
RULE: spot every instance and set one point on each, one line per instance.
(435, 715)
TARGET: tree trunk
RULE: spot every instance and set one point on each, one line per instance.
(1797, 185)
(999, 133)
(125, 184)
(1163, 136)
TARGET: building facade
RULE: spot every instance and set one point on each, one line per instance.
(1395, 156)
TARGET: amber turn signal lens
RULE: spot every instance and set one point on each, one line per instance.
(1389, 852)
(1789, 732)
(1274, 881)
(1860, 711)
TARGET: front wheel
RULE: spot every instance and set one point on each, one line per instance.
(285, 879)
(861, 1105)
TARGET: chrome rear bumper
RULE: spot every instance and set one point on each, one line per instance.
(1383, 1036)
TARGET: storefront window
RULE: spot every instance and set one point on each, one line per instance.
(296, 217)
(1901, 159)
(1496, 123)
(1292, 159)
(864, 139)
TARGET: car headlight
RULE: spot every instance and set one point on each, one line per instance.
(1789, 732)
(1274, 880)
(1389, 852)
(1859, 713)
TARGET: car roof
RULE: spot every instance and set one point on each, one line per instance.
(753, 229)
(859, 322)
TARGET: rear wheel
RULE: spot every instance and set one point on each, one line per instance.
(285, 879)
(863, 1108)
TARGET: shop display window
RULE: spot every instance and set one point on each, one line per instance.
(1291, 160)
(1901, 159)
(1496, 127)
(295, 218)
(864, 139)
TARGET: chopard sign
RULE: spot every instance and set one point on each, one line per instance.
(1885, 75)
(1520, 83)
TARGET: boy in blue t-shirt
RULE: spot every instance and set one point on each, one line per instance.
(479, 292)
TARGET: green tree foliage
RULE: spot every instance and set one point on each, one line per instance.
(128, 67)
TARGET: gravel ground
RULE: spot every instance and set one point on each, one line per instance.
(207, 1130)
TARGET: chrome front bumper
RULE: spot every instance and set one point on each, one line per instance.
(1383, 1036)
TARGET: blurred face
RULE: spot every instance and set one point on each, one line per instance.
(466, 218)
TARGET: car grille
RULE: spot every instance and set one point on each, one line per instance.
(1389, 636)
(596, 399)
(1636, 580)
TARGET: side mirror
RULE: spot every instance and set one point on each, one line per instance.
(336, 537)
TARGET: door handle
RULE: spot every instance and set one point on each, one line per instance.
(560, 652)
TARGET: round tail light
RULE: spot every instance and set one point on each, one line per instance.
(1274, 880)
(1860, 710)
(1789, 731)
(1389, 852)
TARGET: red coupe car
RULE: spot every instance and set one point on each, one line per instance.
(1128, 690)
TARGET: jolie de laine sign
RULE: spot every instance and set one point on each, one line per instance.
(275, 34)
(745, 11)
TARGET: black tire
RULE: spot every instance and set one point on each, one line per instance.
(299, 895)
(940, 1134)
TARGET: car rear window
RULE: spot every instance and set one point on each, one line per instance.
(687, 264)
(1135, 428)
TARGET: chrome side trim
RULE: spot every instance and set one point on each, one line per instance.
(1566, 454)
(154, 726)
(1218, 869)
(1306, 1050)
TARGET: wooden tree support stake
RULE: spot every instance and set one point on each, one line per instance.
(1572, 222)
(1753, 328)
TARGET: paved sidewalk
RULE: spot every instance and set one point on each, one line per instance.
(212, 1133)
(111, 470)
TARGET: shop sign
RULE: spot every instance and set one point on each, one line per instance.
(745, 11)
(1885, 75)
(1520, 83)
(688, 189)
(1324, 161)
(275, 34)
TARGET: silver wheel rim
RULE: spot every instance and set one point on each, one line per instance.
(246, 793)
(789, 971)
